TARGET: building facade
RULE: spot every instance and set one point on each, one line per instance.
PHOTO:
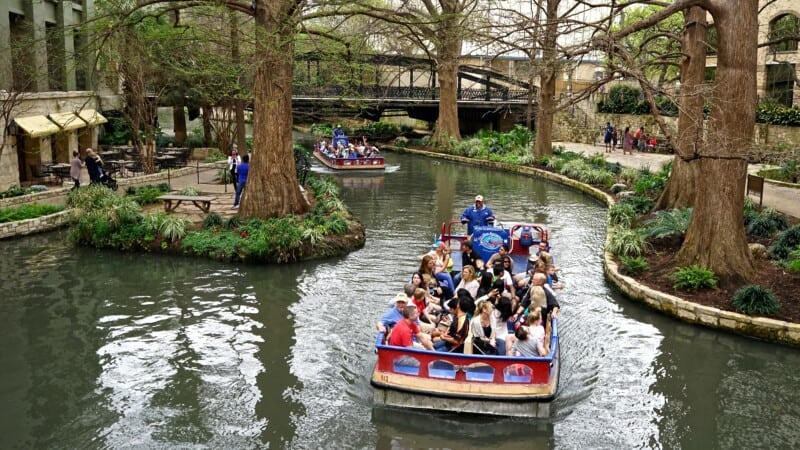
(47, 98)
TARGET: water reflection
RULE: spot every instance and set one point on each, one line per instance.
(105, 350)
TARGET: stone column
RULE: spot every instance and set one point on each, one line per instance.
(34, 16)
(66, 42)
(6, 74)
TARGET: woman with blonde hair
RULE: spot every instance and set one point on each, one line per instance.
(484, 335)
(469, 281)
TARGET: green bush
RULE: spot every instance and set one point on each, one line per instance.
(627, 242)
(673, 222)
(233, 223)
(15, 191)
(173, 228)
(216, 156)
(621, 215)
(794, 260)
(189, 190)
(775, 114)
(765, 223)
(377, 129)
(787, 241)
(147, 194)
(694, 278)
(28, 211)
(755, 300)
(650, 184)
(640, 203)
(633, 266)
(195, 138)
(212, 220)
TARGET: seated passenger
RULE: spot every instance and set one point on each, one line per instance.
(453, 339)
(428, 266)
(484, 335)
(428, 312)
(530, 338)
(469, 281)
(404, 331)
(502, 252)
(552, 278)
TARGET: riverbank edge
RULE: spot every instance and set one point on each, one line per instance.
(771, 330)
(336, 245)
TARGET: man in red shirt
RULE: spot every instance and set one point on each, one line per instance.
(404, 330)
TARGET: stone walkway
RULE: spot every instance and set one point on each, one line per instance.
(781, 198)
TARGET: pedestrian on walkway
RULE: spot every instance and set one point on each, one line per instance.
(233, 160)
(75, 167)
(242, 170)
(607, 136)
(627, 142)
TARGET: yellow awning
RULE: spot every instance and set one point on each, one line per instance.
(37, 126)
(92, 117)
(67, 121)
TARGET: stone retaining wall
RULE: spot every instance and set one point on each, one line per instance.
(31, 226)
(760, 327)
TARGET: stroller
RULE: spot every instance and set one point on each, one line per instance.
(106, 180)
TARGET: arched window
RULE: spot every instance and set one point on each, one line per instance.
(785, 29)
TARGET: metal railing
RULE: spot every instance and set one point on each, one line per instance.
(409, 93)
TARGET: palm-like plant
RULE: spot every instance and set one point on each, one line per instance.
(173, 228)
(673, 222)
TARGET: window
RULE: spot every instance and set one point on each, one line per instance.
(780, 83)
(785, 30)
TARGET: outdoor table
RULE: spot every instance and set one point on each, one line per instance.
(61, 170)
(117, 166)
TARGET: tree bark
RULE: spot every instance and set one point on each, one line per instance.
(547, 91)
(716, 237)
(680, 189)
(272, 189)
(208, 137)
(179, 124)
(238, 105)
(447, 126)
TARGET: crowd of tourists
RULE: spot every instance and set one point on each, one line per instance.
(486, 308)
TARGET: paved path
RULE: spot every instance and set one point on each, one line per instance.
(783, 199)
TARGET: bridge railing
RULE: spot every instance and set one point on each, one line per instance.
(409, 93)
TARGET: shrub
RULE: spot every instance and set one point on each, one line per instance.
(15, 191)
(627, 242)
(24, 212)
(787, 241)
(233, 223)
(755, 300)
(189, 190)
(147, 194)
(650, 183)
(574, 168)
(173, 228)
(212, 220)
(766, 223)
(633, 266)
(628, 175)
(694, 278)
(673, 222)
(621, 215)
(216, 156)
(640, 203)
(775, 114)
(794, 260)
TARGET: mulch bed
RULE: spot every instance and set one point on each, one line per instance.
(784, 284)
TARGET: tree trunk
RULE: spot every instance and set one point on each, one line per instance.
(272, 189)
(716, 237)
(680, 190)
(208, 137)
(179, 124)
(547, 92)
(238, 105)
(449, 50)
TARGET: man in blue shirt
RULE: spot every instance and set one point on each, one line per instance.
(477, 216)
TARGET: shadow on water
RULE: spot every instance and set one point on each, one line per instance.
(400, 428)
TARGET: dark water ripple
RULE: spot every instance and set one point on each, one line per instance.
(107, 350)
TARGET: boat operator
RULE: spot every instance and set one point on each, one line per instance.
(478, 215)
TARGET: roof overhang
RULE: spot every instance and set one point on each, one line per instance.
(37, 126)
(67, 121)
(92, 117)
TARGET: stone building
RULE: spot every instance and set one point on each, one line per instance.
(48, 104)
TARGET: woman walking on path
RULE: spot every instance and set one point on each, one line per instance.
(75, 167)
(627, 142)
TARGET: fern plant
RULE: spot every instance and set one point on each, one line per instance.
(212, 220)
(787, 241)
(673, 222)
(693, 278)
(755, 300)
(189, 190)
(633, 266)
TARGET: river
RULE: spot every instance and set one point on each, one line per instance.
(100, 349)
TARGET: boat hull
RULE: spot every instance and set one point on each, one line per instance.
(473, 384)
(371, 163)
